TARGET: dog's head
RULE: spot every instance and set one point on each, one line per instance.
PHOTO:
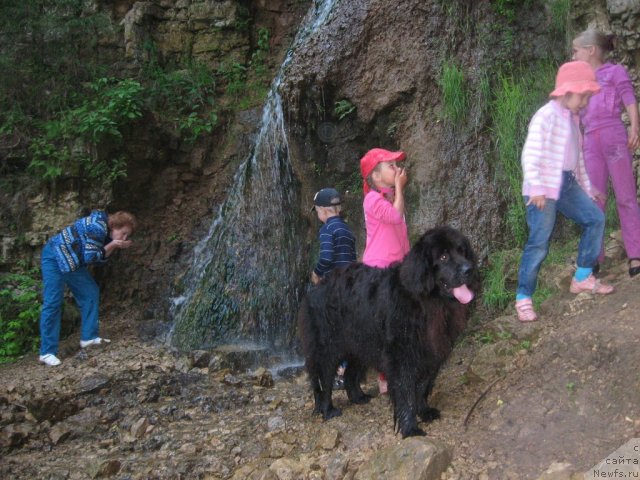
(442, 262)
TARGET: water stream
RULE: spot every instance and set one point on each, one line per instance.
(248, 272)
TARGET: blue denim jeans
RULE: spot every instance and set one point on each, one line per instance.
(85, 292)
(574, 204)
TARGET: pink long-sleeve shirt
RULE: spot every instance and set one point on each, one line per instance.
(606, 106)
(387, 238)
(553, 142)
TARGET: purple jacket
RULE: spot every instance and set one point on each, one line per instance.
(606, 106)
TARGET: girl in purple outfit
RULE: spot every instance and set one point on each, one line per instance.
(607, 145)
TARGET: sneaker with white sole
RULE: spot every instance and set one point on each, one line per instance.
(94, 341)
(50, 359)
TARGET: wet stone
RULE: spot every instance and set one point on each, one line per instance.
(13, 436)
(232, 380)
(59, 433)
(52, 409)
(200, 359)
(263, 377)
(139, 428)
(238, 358)
(328, 440)
(104, 469)
(92, 384)
(275, 423)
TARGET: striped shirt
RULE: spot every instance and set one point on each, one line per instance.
(550, 140)
(82, 242)
(337, 246)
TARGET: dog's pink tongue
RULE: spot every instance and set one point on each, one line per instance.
(463, 294)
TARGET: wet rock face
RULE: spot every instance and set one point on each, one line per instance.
(384, 59)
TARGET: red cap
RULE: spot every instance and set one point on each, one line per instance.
(372, 158)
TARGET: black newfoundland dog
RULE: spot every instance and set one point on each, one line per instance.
(402, 320)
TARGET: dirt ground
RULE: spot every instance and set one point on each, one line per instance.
(514, 398)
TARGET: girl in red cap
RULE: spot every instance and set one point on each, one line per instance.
(387, 238)
(555, 180)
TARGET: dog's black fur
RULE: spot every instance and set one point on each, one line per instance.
(402, 320)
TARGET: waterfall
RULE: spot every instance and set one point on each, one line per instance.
(246, 277)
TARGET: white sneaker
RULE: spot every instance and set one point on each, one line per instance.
(50, 359)
(95, 341)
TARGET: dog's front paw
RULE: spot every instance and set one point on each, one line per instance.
(331, 412)
(413, 432)
(360, 399)
(429, 414)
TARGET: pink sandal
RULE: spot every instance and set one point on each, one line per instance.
(525, 310)
(591, 284)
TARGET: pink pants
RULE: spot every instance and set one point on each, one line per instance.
(606, 155)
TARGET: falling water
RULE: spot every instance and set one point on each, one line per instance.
(245, 279)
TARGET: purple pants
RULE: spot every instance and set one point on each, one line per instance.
(606, 155)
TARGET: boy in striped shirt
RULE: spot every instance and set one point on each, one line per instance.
(337, 247)
(337, 243)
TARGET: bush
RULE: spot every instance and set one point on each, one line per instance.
(19, 314)
(70, 142)
(185, 97)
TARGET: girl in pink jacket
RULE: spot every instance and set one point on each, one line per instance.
(387, 238)
(554, 181)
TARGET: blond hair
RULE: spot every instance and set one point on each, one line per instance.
(122, 219)
(332, 210)
(595, 38)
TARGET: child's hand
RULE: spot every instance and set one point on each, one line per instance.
(600, 197)
(315, 279)
(401, 178)
(538, 201)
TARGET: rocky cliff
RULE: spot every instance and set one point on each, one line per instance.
(369, 77)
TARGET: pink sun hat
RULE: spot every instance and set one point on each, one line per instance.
(575, 77)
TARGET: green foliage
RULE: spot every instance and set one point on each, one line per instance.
(343, 108)
(559, 13)
(500, 277)
(70, 142)
(516, 99)
(486, 337)
(49, 48)
(184, 96)
(505, 8)
(248, 85)
(243, 19)
(19, 313)
(235, 76)
(259, 56)
(611, 212)
(454, 93)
